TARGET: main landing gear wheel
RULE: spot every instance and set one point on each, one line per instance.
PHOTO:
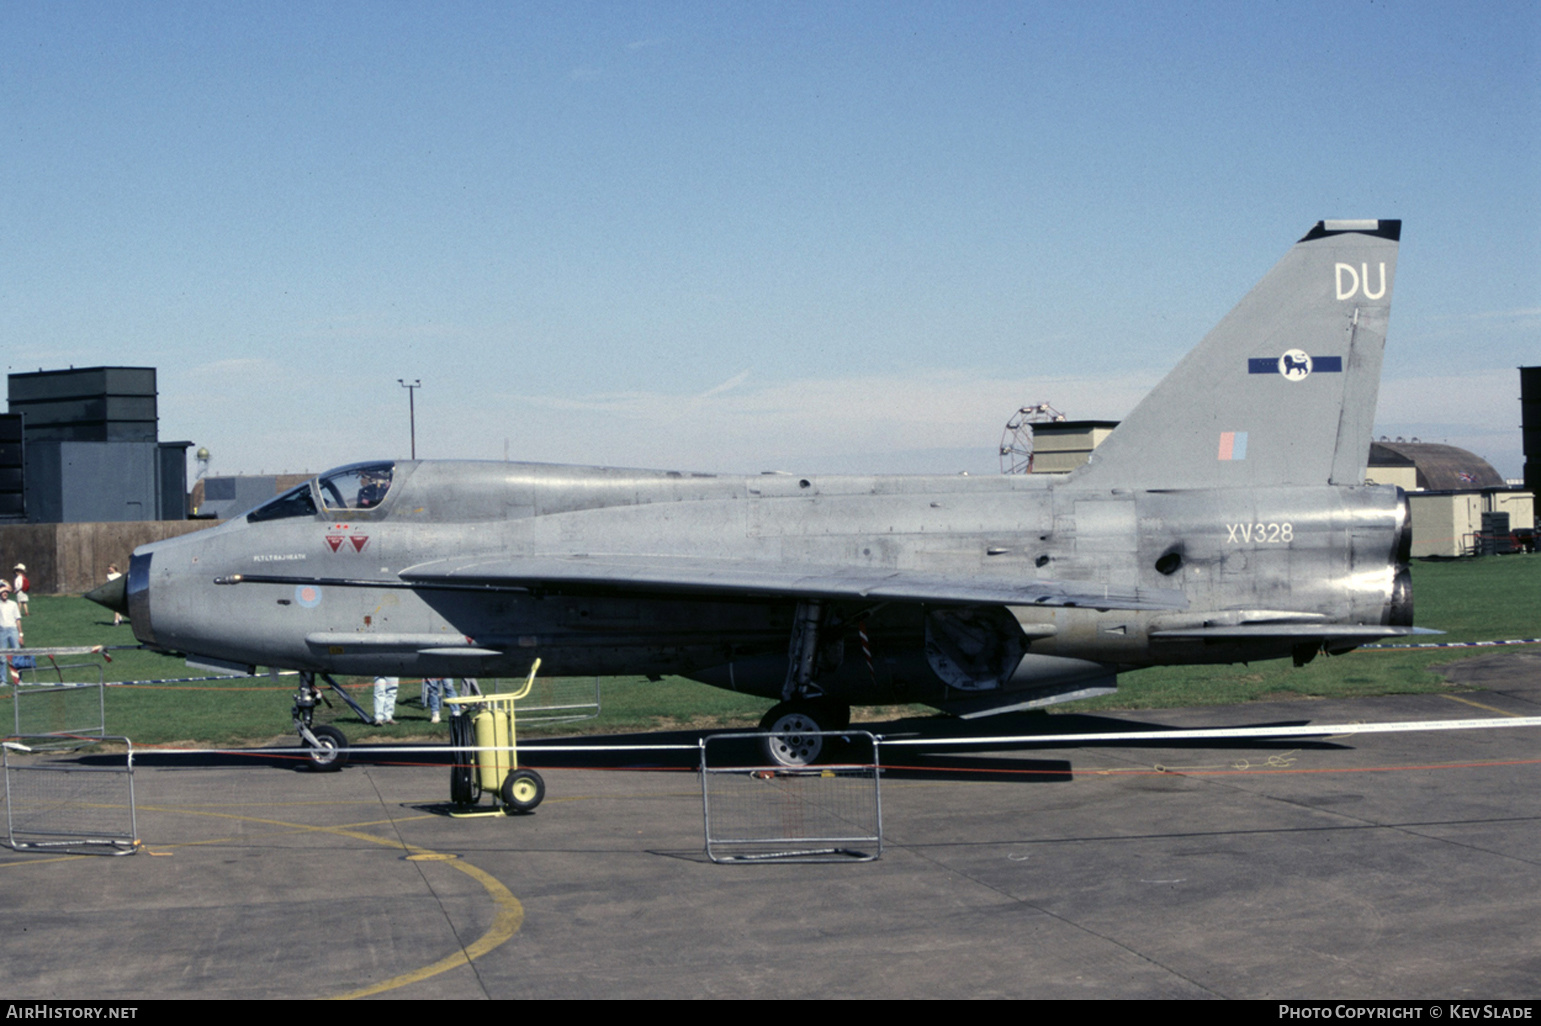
(794, 729)
(522, 790)
(332, 755)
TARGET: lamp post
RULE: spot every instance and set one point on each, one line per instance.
(417, 383)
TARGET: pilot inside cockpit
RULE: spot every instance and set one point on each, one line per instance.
(372, 489)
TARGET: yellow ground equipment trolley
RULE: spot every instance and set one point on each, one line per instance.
(482, 729)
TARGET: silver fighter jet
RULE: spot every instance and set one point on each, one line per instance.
(1225, 520)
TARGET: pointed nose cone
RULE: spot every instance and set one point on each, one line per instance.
(113, 595)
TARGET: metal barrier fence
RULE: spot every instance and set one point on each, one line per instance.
(65, 807)
(551, 700)
(756, 810)
(557, 699)
(61, 714)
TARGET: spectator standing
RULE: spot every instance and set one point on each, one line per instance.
(435, 690)
(21, 586)
(10, 632)
(113, 573)
(385, 699)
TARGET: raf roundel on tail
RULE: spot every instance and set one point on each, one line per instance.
(1225, 519)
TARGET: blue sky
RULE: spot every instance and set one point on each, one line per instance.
(823, 237)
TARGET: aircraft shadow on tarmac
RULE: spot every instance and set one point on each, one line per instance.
(922, 761)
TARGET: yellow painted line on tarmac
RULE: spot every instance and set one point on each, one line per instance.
(509, 918)
(1479, 705)
(346, 831)
(292, 828)
(506, 922)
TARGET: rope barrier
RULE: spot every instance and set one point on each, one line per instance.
(1135, 736)
(1461, 644)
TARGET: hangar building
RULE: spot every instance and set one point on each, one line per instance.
(1461, 506)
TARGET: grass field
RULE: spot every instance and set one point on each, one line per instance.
(1490, 599)
(1472, 600)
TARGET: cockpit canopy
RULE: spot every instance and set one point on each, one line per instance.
(359, 486)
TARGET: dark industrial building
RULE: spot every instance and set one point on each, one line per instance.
(215, 498)
(13, 508)
(1530, 426)
(89, 449)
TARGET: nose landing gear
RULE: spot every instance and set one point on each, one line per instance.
(328, 745)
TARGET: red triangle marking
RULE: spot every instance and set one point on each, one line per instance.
(359, 541)
(334, 540)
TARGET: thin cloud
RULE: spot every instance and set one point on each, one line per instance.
(235, 369)
(1521, 312)
(375, 327)
(733, 382)
(812, 423)
(1460, 401)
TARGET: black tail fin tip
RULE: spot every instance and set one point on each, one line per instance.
(1380, 229)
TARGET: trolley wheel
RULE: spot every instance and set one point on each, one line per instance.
(462, 775)
(332, 755)
(522, 790)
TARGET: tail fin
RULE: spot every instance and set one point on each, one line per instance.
(1283, 390)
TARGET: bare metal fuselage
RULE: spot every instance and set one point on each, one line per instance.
(1255, 572)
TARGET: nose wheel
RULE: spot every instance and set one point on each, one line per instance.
(328, 745)
(329, 752)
